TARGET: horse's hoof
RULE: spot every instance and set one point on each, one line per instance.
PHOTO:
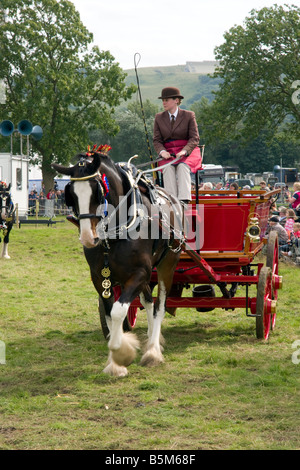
(114, 370)
(126, 354)
(152, 357)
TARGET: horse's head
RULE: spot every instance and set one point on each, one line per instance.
(5, 200)
(85, 193)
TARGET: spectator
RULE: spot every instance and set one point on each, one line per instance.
(294, 200)
(263, 186)
(207, 186)
(59, 200)
(290, 220)
(234, 186)
(273, 209)
(282, 215)
(32, 198)
(282, 233)
(247, 187)
(297, 230)
(51, 194)
(42, 199)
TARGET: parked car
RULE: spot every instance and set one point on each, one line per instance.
(279, 185)
(245, 182)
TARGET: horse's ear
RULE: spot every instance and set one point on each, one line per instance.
(94, 166)
(64, 170)
(8, 187)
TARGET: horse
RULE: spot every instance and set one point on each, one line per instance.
(117, 213)
(7, 217)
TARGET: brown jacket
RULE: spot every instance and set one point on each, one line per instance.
(185, 128)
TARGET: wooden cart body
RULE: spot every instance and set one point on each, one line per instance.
(226, 231)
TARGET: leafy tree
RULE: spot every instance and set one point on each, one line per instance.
(132, 138)
(55, 80)
(259, 68)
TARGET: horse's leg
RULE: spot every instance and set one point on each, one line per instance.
(122, 346)
(147, 302)
(5, 247)
(153, 354)
(165, 270)
(5, 251)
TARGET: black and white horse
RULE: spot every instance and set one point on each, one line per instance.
(126, 228)
(7, 217)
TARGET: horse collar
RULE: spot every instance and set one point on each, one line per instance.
(105, 272)
(85, 178)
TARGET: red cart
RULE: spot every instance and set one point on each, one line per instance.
(226, 231)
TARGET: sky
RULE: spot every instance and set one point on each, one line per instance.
(164, 32)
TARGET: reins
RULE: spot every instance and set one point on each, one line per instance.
(107, 232)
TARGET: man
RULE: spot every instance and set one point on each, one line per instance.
(263, 186)
(32, 198)
(176, 132)
(282, 233)
(282, 215)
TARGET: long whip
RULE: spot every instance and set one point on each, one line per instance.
(137, 58)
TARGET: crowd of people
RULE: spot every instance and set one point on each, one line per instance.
(37, 201)
(286, 221)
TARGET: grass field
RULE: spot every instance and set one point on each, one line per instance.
(219, 388)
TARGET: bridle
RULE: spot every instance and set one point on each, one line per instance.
(6, 207)
(101, 195)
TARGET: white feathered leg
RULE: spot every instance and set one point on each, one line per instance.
(153, 355)
(122, 346)
(149, 307)
(5, 251)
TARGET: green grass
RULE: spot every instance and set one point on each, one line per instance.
(219, 387)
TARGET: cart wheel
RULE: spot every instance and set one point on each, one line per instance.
(263, 304)
(272, 263)
(105, 306)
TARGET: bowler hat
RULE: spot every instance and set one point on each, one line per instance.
(274, 219)
(170, 92)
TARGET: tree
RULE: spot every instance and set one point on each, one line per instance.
(55, 80)
(259, 68)
(132, 138)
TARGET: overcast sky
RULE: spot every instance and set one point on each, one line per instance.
(164, 32)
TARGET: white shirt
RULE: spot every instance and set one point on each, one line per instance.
(174, 114)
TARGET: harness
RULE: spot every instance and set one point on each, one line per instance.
(6, 206)
(137, 183)
(95, 177)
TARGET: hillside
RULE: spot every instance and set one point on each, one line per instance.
(192, 79)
